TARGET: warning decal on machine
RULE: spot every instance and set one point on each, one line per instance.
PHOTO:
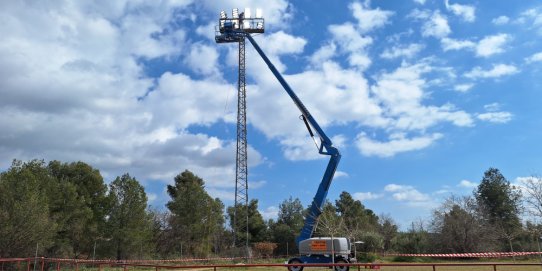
(319, 245)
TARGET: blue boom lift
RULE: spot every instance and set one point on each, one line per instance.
(311, 250)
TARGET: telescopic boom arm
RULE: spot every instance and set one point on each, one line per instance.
(326, 148)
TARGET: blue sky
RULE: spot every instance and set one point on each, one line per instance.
(421, 97)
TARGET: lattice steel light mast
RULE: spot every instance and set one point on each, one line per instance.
(246, 24)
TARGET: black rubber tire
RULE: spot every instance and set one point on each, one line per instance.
(295, 268)
(341, 268)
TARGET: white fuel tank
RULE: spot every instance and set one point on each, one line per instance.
(322, 246)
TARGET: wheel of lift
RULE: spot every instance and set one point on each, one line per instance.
(295, 268)
(341, 268)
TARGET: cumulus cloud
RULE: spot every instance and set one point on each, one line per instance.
(402, 93)
(397, 143)
(501, 20)
(341, 174)
(406, 193)
(453, 44)
(467, 184)
(90, 99)
(496, 117)
(532, 18)
(369, 19)
(492, 107)
(486, 47)
(435, 24)
(497, 71)
(492, 45)
(463, 87)
(407, 51)
(352, 43)
(534, 58)
(466, 12)
(203, 59)
(364, 196)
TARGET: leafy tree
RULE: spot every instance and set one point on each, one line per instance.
(24, 209)
(460, 227)
(129, 224)
(500, 203)
(257, 229)
(288, 225)
(356, 217)
(80, 208)
(330, 224)
(498, 198)
(196, 218)
(415, 240)
(291, 213)
(388, 229)
(372, 241)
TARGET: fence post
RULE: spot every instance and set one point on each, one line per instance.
(58, 266)
(494, 267)
(76, 266)
(28, 264)
(434, 267)
(42, 263)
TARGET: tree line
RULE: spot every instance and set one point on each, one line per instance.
(67, 210)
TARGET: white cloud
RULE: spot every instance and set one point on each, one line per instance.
(369, 19)
(532, 18)
(452, 44)
(534, 58)
(436, 25)
(280, 43)
(496, 117)
(364, 196)
(407, 51)
(466, 12)
(501, 20)
(402, 93)
(486, 47)
(492, 45)
(323, 54)
(467, 184)
(352, 43)
(406, 193)
(396, 144)
(497, 71)
(492, 107)
(90, 100)
(203, 59)
(421, 2)
(463, 87)
(340, 174)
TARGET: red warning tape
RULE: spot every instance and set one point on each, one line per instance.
(468, 255)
